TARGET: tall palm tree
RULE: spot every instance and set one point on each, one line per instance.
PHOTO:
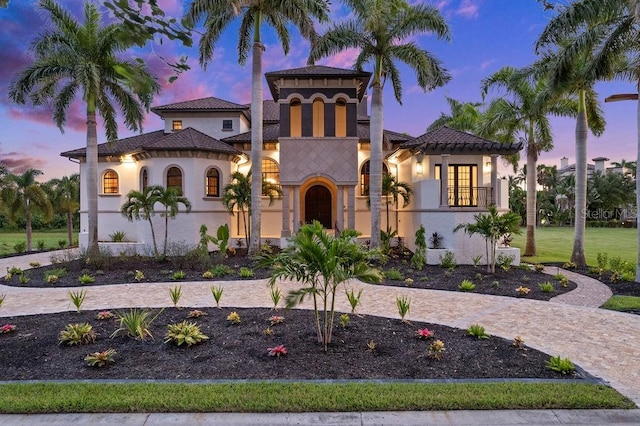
(522, 112)
(67, 194)
(393, 188)
(380, 29)
(609, 31)
(170, 198)
(140, 205)
(575, 75)
(218, 14)
(73, 59)
(22, 196)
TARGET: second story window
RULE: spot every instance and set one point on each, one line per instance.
(174, 178)
(110, 182)
(318, 118)
(176, 125)
(227, 125)
(341, 118)
(295, 117)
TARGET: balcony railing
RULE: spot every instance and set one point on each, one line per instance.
(468, 196)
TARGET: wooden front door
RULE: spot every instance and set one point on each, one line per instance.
(317, 206)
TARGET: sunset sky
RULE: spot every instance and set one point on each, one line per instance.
(486, 35)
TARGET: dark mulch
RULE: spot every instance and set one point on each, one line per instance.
(240, 351)
(617, 286)
(120, 270)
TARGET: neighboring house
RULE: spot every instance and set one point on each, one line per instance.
(567, 169)
(316, 147)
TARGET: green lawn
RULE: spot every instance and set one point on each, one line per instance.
(622, 303)
(51, 240)
(301, 397)
(556, 244)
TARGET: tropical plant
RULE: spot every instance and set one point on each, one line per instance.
(522, 112)
(77, 334)
(277, 351)
(216, 292)
(140, 205)
(404, 306)
(464, 116)
(118, 236)
(419, 258)
(67, 195)
(22, 196)
(175, 293)
(100, 359)
(276, 295)
(321, 262)
(561, 365)
(237, 195)
(218, 14)
(136, 323)
(184, 332)
(476, 330)
(77, 298)
(72, 59)
(391, 190)
(380, 30)
(466, 285)
(492, 227)
(354, 299)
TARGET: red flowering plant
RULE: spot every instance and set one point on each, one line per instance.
(424, 333)
(277, 351)
(276, 319)
(7, 328)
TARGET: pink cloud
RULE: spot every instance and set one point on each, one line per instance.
(344, 59)
(18, 163)
(485, 64)
(468, 9)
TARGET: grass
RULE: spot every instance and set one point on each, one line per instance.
(622, 303)
(301, 397)
(50, 238)
(555, 244)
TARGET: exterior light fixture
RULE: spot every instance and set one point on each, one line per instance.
(127, 158)
(419, 169)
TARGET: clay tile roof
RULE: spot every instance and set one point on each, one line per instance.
(270, 132)
(319, 71)
(364, 134)
(445, 140)
(184, 139)
(204, 104)
(270, 111)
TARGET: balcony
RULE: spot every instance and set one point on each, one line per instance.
(468, 196)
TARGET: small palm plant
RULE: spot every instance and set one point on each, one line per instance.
(321, 262)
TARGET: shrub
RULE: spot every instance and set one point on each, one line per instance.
(245, 272)
(62, 243)
(58, 273)
(78, 334)
(40, 245)
(136, 323)
(603, 261)
(100, 359)
(207, 275)
(345, 319)
(178, 275)
(233, 318)
(569, 265)
(196, 313)
(561, 365)
(466, 285)
(20, 247)
(394, 275)
(476, 260)
(504, 262)
(104, 315)
(436, 350)
(276, 319)
(184, 333)
(476, 330)
(139, 276)
(86, 279)
(523, 291)
(539, 268)
(220, 270)
(436, 240)
(34, 264)
(448, 261)
(118, 236)
(419, 258)
(52, 279)
(547, 287)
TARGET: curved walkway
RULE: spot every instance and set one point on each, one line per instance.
(604, 343)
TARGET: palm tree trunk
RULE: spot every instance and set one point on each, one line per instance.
(27, 214)
(92, 180)
(256, 140)
(375, 162)
(153, 237)
(577, 256)
(70, 228)
(166, 232)
(532, 159)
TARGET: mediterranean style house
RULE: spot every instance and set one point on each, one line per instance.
(316, 147)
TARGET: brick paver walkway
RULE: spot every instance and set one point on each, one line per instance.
(604, 343)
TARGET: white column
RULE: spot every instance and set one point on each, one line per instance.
(351, 207)
(296, 208)
(444, 181)
(340, 208)
(494, 181)
(286, 227)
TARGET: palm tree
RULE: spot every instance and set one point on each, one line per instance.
(380, 29)
(392, 187)
(218, 14)
(627, 167)
(523, 111)
(170, 198)
(73, 59)
(22, 196)
(608, 30)
(464, 116)
(237, 195)
(575, 75)
(67, 194)
(140, 205)
(321, 262)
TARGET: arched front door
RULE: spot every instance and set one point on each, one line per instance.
(317, 206)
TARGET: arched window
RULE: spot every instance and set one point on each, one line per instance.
(174, 178)
(318, 118)
(110, 182)
(144, 178)
(212, 183)
(341, 118)
(365, 174)
(295, 117)
(270, 172)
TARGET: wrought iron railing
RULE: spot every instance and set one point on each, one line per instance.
(468, 196)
